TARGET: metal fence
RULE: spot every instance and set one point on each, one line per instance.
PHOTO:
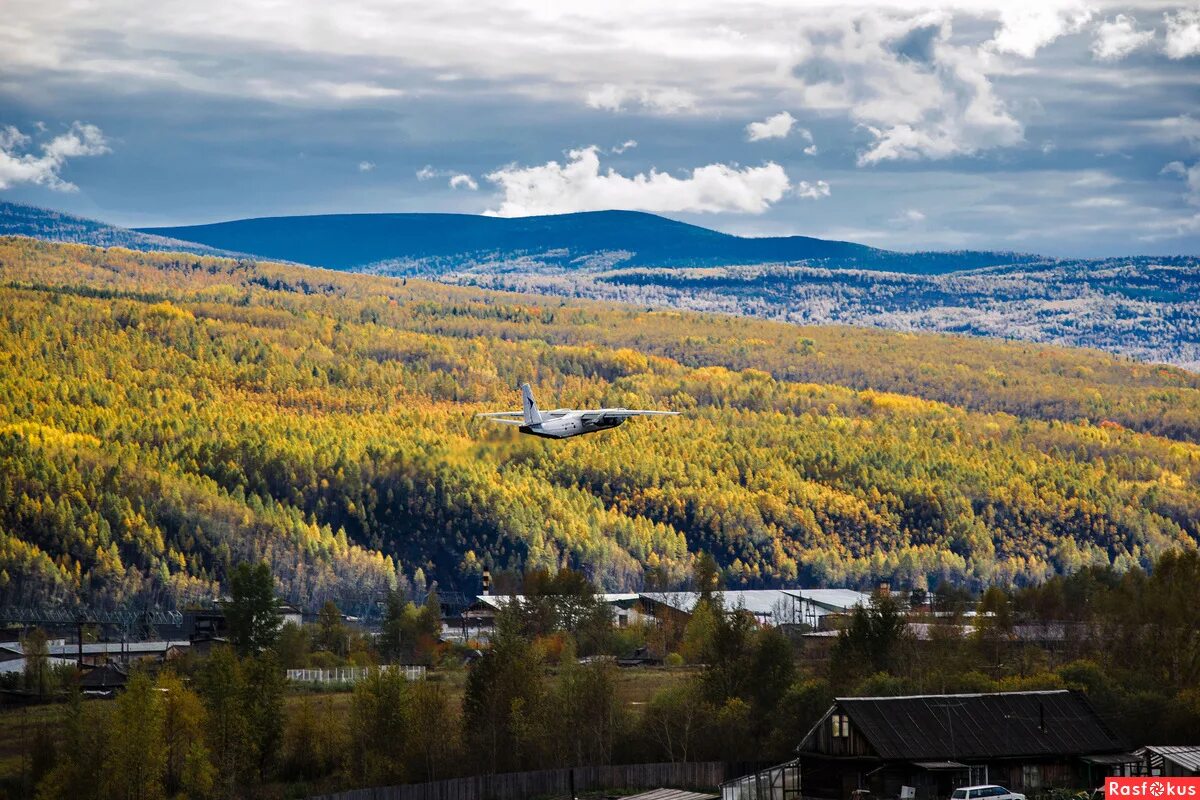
(781, 782)
(524, 785)
(352, 675)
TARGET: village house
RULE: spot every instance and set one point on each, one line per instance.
(932, 744)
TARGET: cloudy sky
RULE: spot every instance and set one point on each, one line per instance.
(1064, 127)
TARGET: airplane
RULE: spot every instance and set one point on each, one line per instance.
(563, 422)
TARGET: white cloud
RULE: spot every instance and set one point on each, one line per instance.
(1095, 180)
(608, 97)
(773, 127)
(355, 91)
(910, 216)
(1026, 27)
(24, 167)
(628, 144)
(1191, 175)
(1183, 33)
(457, 180)
(904, 82)
(1118, 38)
(1100, 202)
(1170, 228)
(11, 138)
(812, 191)
(611, 97)
(806, 134)
(579, 185)
(366, 166)
(284, 89)
(1181, 128)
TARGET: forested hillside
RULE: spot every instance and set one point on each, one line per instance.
(163, 416)
(1144, 307)
(55, 226)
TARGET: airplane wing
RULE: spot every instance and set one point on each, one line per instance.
(625, 413)
(503, 420)
(497, 415)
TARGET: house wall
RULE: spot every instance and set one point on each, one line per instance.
(825, 743)
(1026, 777)
(837, 779)
(1173, 770)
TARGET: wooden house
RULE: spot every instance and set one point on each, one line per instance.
(932, 744)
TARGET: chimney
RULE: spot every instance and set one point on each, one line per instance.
(487, 582)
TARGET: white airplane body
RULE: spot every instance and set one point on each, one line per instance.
(564, 422)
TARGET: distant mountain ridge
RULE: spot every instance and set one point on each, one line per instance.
(432, 244)
(54, 226)
(436, 244)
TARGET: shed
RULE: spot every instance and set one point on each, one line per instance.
(1025, 741)
(103, 680)
(1171, 760)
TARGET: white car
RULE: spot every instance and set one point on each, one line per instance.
(989, 791)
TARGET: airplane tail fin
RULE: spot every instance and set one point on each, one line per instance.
(532, 415)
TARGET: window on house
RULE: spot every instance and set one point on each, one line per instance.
(1031, 776)
(841, 725)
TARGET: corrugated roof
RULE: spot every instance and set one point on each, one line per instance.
(833, 599)
(759, 602)
(1186, 756)
(769, 602)
(671, 794)
(765, 603)
(497, 601)
(997, 725)
(18, 664)
(105, 648)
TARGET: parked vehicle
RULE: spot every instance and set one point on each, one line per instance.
(988, 791)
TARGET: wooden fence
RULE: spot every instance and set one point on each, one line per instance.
(351, 675)
(550, 782)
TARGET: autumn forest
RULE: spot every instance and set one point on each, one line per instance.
(166, 416)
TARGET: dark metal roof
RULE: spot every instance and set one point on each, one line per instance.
(1113, 759)
(999, 725)
(109, 675)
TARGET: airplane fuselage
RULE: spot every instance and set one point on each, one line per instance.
(569, 425)
(562, 423)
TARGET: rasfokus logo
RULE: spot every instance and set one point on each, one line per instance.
(1151, 787)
